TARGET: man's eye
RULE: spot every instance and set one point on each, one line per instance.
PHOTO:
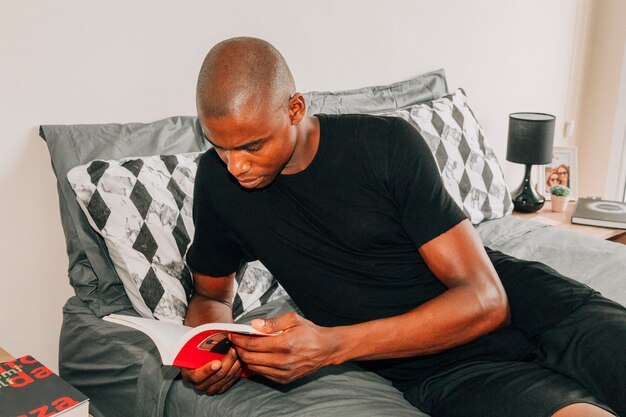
(255, 148)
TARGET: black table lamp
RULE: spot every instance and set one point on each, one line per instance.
(531, 136)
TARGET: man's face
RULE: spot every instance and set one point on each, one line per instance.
(255, 147)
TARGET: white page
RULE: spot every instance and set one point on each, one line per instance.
(164, 334)
(81, 410)
(169, 338)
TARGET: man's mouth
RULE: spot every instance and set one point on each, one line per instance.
(250, 183)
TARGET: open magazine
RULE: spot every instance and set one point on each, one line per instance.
(184, 346)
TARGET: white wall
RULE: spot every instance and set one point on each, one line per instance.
(87, 61)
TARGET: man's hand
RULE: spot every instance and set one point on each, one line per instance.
(211, 302)
(299, 350)
(217, 376)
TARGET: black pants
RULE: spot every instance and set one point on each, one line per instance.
(566, 344)
(581, 359)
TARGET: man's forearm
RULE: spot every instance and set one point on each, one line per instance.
(207, 310)
(211, 301)
(456, 317)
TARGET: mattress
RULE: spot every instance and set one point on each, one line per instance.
(119, 369)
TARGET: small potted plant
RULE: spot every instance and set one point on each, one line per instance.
(560, 198)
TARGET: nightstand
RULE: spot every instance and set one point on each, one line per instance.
(563, 221)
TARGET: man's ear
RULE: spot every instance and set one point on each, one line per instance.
(297, 108)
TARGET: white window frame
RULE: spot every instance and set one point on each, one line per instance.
(615, 188)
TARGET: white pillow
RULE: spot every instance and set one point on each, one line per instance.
(468, 166)
(142, 207)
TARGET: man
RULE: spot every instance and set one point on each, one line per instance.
(350, 215)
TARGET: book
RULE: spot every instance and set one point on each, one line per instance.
(184, 346)
(596, 212)
(28, 388)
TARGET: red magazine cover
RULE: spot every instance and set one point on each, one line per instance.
(28, 388)
(203, 348)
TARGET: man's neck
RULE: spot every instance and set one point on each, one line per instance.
(307, 143)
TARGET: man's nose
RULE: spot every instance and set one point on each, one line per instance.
(238, 163)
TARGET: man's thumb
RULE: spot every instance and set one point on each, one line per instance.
(259, 324)
(272, 325)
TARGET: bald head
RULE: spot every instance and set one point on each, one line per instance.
(242, 74)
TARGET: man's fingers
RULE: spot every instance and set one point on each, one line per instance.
(214, 384)
(276, 324)
(226, 363)
(276, 343)
(230, 368)
(230, 382)
(261, 343)
(198, 375)
(263, 359)
(273, 374)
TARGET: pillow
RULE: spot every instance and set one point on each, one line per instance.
(255, 287)
(378, 99)
(468, 165)
(142, 207)
(90, 270)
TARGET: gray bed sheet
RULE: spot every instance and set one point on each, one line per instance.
(123, 377)
(600, 264)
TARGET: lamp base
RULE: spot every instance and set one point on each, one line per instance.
(525, 198)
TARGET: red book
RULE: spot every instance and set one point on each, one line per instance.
(28, 388)
(184, 346)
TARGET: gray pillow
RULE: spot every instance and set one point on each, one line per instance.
(91, 271)
(379, 99)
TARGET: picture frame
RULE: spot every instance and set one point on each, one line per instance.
(563, 169)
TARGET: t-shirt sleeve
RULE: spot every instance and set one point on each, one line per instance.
(426, 208)
(214, 251)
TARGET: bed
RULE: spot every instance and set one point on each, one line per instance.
(118, 368)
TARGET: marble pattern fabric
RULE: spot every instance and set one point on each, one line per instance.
(142, 208)
(255, 288)
(468, 165)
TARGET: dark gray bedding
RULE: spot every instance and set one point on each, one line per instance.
(123, 377)
(597, 263)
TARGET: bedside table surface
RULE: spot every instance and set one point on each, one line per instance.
(5, 356)
(564, 221)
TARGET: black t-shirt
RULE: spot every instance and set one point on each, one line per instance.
(342, 238)
(342, 235)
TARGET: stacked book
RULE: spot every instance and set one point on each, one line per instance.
(28, 388)
(596, 212)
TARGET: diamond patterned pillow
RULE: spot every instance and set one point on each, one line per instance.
(142, 207)
(468, 165)
(256, 286)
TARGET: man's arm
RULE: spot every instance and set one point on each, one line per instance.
(474, 304)
(212, 302)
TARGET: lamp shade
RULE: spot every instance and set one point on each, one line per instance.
(531, 136)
